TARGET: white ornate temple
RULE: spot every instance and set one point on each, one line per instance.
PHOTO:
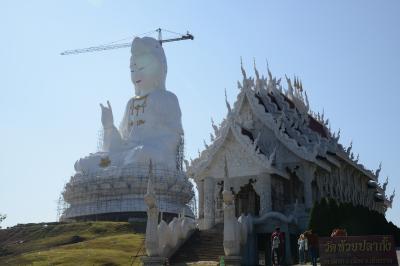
(110, 184)
(281, 158)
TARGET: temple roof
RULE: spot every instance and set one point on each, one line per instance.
(287, 114)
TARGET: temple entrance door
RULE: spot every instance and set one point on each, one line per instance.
(247, 201)
(264, 249)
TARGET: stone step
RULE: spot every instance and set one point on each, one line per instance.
(202, 246)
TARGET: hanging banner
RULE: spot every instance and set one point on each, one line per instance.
(372, 250)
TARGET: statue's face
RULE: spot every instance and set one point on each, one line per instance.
(145, 72)
(147, 69)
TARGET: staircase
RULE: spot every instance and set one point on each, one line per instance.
(204, 245)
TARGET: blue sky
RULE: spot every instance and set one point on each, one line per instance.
(345, 52)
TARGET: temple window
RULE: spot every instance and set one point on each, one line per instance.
(247, 201)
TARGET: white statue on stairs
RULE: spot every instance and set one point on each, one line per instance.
(161, 238)
(151, 127)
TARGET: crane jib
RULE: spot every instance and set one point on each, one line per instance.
(187, 36)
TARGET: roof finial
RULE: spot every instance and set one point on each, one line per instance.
(385, 184)
(227, 103)
(214, 127)
(338, 136)
(205, 144)
(290, 87)
(269, 71)
(378, 171)
(241, 67)
(349, 148)
(392, 196)
(255, 69)
(239, 85)
(212, 138)
(306, 99)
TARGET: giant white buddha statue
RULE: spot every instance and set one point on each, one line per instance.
(151, 127)
(110, 184)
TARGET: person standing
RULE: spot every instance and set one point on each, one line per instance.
(301, 242)
(277, 242)
(276, 253)
(312, 246)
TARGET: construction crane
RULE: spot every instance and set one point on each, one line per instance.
(114, 45)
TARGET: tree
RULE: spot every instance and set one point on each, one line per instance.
(327, 215)
(2, 217)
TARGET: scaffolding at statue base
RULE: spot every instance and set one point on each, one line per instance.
(117, 194)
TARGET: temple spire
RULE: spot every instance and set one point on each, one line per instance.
(290, 87)
(242, 69)
(255, 69)
(269, 71)
(227, 104)
(377, 172)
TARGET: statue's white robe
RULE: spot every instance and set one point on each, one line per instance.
(151, 128)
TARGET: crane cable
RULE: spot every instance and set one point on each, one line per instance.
(138, 35)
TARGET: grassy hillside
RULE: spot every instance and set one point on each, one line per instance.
(83, 243)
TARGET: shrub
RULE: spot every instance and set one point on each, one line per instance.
(357, 220)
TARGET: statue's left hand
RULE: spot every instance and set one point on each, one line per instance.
(107, 118)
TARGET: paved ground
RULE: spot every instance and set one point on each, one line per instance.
(209, 263)
(398, 259)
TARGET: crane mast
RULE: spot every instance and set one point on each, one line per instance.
(182, 37)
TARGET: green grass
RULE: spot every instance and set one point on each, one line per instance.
(81, 243)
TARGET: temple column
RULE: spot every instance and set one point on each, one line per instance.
(288, 253)
(263, 189)
(209, 212)
(308, 176)
(200, 188)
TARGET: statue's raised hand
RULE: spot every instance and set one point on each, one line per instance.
(107, 118)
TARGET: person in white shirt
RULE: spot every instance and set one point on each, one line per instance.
(303, 247)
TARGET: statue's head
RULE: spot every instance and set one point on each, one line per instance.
(148, 65)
